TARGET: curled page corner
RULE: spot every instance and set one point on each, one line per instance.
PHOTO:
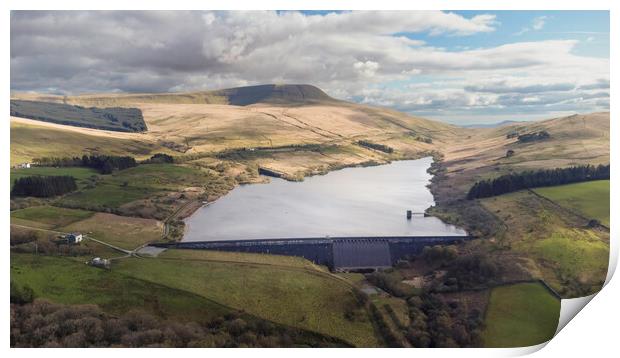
(570, 307)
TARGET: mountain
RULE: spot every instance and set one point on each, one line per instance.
(201, 124)
(285, 94)
(491, 125)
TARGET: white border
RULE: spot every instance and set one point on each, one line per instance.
(593, 331)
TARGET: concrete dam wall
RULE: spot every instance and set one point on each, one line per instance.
(343, 253)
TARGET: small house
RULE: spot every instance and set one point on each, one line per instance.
(74, 238)
(23, 165)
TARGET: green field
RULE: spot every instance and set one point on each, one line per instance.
(136, 183)
(80, 174)
(577, 254)
(590, 199)
(294, 296)
(69, 281)
(122, 231)
(48, 217)
(520, 315)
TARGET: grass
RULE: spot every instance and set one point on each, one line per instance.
(520, 315)
(399, 305)
(590, 199)
(80, 174)
(241, 257)
(569, 257)
(147, 180)
(34, 141)
(48, 217)
(578, 255)
(292, 296)
(122, 231)
(106, 195)
(67, 281)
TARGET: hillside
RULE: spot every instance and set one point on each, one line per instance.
(111, 118)
(535, 233)
(268, 117)
(238, 96)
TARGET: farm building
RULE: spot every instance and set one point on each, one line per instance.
(74, 238)
(23, 165)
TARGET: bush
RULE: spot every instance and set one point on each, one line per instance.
(21, 294)
(40, 323)
(439, 254)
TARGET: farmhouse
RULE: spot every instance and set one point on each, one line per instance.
(23, 165)
(74, 238)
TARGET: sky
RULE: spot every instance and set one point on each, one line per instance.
(462, 67)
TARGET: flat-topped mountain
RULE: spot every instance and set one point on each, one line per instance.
(281, 94)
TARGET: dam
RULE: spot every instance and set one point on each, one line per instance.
(339, 254)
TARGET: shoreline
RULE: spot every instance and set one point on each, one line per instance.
(434, 155)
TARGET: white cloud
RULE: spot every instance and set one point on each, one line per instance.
(536, 24)
(352, 55)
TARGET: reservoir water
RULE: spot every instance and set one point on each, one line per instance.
(369, 201)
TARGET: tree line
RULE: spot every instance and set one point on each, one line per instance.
(376, 146)
(537, 178)
(43, 186)
(105, 164)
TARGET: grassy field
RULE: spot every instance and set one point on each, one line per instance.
(122, 231)
(288, 295)
(34, 140)
(566, 254)
(242, 257)
(65, 280)
(48, 217)
(80, 174)
(590, 199)
(577, 255)
(520, 315)
(137, 183)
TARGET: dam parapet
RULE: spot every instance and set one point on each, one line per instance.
(339, 253)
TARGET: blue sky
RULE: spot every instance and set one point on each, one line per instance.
(462, 67)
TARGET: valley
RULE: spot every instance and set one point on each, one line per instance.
(222, 139)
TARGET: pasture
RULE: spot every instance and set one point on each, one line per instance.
(590, 199)
(293, 296)
(48, 217)
(122, 231)
(146, 180)
(520, 315)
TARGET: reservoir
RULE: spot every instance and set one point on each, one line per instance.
(351, 202)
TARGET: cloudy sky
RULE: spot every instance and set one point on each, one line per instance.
(461, 67)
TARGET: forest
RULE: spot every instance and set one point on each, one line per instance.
(44, 186)
(105, 164)
(537, 178)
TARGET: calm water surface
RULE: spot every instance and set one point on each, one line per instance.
(350, 202)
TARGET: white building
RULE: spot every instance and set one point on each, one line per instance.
(74, 238)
